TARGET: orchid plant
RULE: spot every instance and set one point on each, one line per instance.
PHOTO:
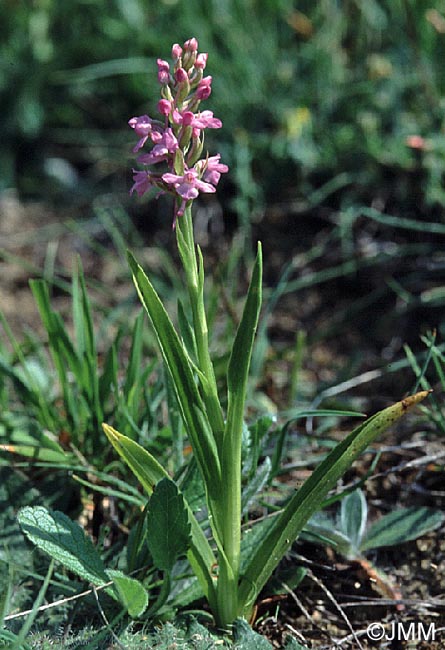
(175, 164)
(230, 572)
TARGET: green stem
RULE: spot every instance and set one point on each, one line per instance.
(194, 271)
(227, 588)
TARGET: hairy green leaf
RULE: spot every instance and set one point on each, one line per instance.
(131, 593)
(353, 517)
(150, 472)
(65, 541)
(401, 526)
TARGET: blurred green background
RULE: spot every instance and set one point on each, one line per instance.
(333, 129)
(309, 92)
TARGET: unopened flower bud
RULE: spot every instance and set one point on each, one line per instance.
(183, 86)
(204, 89)
(181, 75)
(176, 51)
(164, 107)
(201, 61)
(191, 45)
(163, 72)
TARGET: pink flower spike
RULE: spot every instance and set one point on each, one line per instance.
(191, 45)
(201, 61)
(143, 127)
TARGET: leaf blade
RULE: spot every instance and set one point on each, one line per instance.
(308, 498)
(64, 540)
(169, 530)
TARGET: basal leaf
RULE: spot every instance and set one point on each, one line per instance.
(401, 526)
(150, 472)
(65, 541)
(353, 517)
(131, 593)
(168, 525)
(309, 497)
(246, 639)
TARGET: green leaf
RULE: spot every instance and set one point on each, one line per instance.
(64, 540)
(143, 465)
(176, 359)
(353, 517)
(246, 639)
(256, 484)
(293, 644)
(150, 472)
(131, 593)
(402, 526)
(308, 498)
(135, 359)
(239, 362)
(168, 525)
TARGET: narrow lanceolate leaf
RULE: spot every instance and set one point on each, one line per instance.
(308, 498)
(143, 465)
(176, 359)
(168, 525)
(150, 472)
(239, 362)
(65, 541)
(131, 593)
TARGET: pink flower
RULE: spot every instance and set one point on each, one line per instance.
(163, 72)
(201, 61)
(212, 169)
(203, 120)
(204, 89)
(143, 127)
(181, 75)
(164, 106)
(142, 182)
(188, 186)
(176, 51)
(191, 45)
(416, 142)
(165, 145)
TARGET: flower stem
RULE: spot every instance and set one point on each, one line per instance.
(194, 271)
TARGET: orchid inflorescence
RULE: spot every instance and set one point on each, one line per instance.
(178, 139)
